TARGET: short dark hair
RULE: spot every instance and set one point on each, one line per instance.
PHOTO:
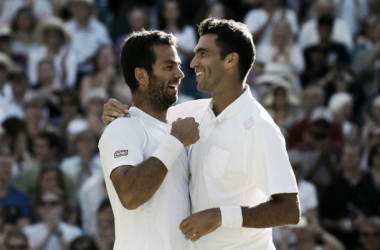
(232, 37)
(138, 51)
(77, 242)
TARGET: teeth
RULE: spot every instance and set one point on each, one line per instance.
(199, 73)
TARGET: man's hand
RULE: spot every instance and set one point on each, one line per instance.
(186, 130)
(199, 224)
(114, 109)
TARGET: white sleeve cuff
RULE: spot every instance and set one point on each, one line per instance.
(231, 216)
(168, 151)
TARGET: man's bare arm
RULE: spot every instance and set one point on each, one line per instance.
(282, 209)
(137, 184)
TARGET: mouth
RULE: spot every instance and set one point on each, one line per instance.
(173, 88)
(199, 73)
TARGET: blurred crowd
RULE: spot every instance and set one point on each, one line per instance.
(317, 72)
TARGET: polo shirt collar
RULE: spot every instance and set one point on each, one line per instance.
(235, 106)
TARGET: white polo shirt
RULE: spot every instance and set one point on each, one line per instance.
(155, 224)
(240, 159)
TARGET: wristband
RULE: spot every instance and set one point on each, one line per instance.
(231, 216)
(168, 151)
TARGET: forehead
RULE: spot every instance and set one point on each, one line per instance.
(165, 53)
(207, 42)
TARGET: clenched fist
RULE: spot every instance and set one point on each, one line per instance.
(186, 131)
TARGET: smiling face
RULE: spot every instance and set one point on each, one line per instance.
(208, 64)
(165, 77)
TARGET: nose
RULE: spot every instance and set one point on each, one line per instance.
(179, 74)
(194, 62)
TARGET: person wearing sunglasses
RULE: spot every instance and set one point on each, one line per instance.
(370, 234)
(52, 232)
(16, 240)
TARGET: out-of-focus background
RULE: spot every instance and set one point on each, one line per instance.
(317, 72)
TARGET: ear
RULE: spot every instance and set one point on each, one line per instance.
(142, 76)
(231, 60)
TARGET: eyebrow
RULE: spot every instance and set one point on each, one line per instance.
(172, 62)
(200, 50)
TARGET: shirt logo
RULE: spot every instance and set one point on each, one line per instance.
(120, 153)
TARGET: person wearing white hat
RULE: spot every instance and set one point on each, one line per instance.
(282, 105)
(86, 32)
(341, 105)
(55, 43)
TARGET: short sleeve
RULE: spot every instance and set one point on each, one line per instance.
(270, 170)
(121, 144)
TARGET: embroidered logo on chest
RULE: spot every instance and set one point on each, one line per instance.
(120, 153)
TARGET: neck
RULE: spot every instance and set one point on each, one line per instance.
(150, 109)
(84, 23)
(53, 50)
(223, 99)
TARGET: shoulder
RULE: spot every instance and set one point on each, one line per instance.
(190, 108)
(121, 127)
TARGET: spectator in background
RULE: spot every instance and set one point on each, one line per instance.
(282, 48)
(341, 105)
(138, 17)
(300, 132)
(283, 105)
(340, 29)
(325, 55)
(371, 127)
(86, 160)
(23, 27)
(36, 119)
(171, 20)
(41, 8)
(83, 243)
(90, 195)
(370, 234)
(69, 110)
(86, 32)
(54, 46)
(10, 197)
(350, 198)
(321, 150)
(105, 235)
(51, 232)
(47, 147)
(353, 12)
(6, 41)
(16, 240)
(374, 165)
(261, 21)
(51, 177)
(215, 9)
(366, 62)
(104, 76)
(19, 93)
(16, 139)
(6, 66)
(93, 104)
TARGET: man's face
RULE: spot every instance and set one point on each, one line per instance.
(350, 157)
(166, 77)
(370, 237)
(81, 12)
(207, 64)
(42, 150)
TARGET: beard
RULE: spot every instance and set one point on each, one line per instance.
(158, 95)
